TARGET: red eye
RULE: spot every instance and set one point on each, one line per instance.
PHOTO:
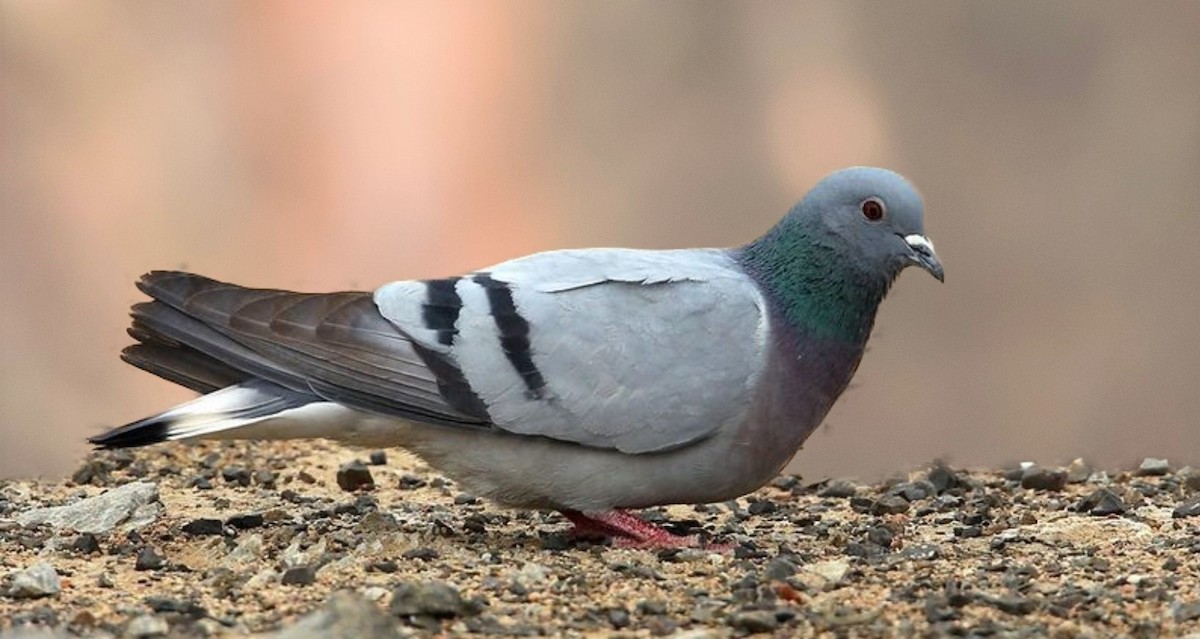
(873, 209)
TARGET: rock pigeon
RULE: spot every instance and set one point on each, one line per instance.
(587, 381)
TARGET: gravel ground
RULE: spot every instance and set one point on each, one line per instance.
(296, 540)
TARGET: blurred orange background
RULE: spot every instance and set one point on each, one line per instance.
(322, 146)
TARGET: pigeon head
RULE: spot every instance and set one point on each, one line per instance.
(874, 216)
(831, 260)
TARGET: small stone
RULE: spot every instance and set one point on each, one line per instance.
(1185, 612)
(926, 552)
(1014, 605)
(354, 476)
(1078, 471)
(754, 621)
(181, 606)
(204, 527)
(236, 475)
(786, 482)
(345, 615)
(839, 488)
(890, 505)
(102, 513)
(464, 499)
(411, 482)
(1189, 508)
(1190, 476)
(881, 536)
(942, 478)
(299, 576)
(146, 626)
(1038, 478)
(913, 490)
(618, 618)
(833, 572)
(1153, 467)
(762, 507)
(429, 598)
(38, 580)
(246, 522)
(652, 607)
(780, 568)
(378, 458)
(265, 478)
(386, 565)
(148, 559)
(378, 522)
(86, 544)
(422, 553)
(1102, 502)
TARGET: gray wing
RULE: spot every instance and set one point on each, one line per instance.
(641, 351)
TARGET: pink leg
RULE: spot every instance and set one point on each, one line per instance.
(627, 530)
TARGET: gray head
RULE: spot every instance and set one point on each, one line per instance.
(877, 216)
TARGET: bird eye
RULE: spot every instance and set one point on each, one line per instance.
(873, 209)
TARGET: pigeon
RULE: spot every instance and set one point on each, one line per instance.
(588, 381)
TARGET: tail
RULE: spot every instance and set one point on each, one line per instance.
(231, 412)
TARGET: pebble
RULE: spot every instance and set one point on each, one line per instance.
(345, 615)
(942, 478)
(146, 626)
(129, 504)
(299, 576)
(1189, 508)
(204, 527)
(38, 580)
(86, 544)
(427, 598)
(1153, 467)
(780, 568)
(149, 559)
(1038, 478)
(378, 458)
(236, 475)
(246, 522)
(890, 505)
(353, 476)
(839, 488)
(754, 621)
(1102, 502)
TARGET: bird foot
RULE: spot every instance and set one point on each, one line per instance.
(630, 531)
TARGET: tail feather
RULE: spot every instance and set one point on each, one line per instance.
(220, 411)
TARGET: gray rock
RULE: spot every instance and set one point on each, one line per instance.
(1189, 508)
(148, 559)
(754, 621)
(147, 626)
(780, 568)
(133, 505)
(427, 598)
(299, 576)
(1153, 467)
(1037, 478)
(36, 633)
(838, 488)
(1101, 503)
(38, 580)
(354, 476)
(345, 615)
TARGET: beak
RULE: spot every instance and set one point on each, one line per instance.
(923, 255)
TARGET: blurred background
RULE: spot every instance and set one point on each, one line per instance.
(321, 146)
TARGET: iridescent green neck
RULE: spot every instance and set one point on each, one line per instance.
(816, 286)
